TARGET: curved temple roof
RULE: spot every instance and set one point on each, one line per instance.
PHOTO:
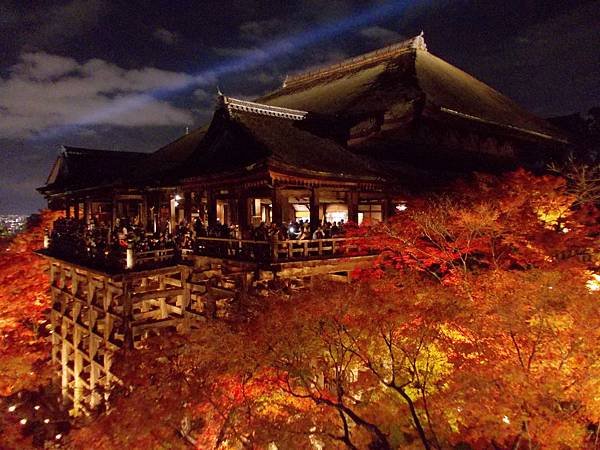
(308, 125)
(389, 79)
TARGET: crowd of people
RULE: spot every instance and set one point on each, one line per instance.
(97, 243)
(295, 230)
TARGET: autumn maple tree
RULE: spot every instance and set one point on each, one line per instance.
(478, 326)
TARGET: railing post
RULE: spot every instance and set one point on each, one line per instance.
(130, 257)
(275, 251)
(46, 238)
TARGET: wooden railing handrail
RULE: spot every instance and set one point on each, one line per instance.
(274, 241)
(243, 241)
(251, 249)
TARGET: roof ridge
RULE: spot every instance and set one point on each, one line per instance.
(414, 43)
(234, 104)
(84, 150)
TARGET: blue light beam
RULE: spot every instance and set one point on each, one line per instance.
(252, 60)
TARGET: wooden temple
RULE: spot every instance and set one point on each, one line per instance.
(337, 143)
(342, 143)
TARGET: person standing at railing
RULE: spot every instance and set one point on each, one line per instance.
(318, 234)
(304, 233)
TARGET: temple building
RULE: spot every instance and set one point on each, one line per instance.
(259, 199)
(338, 143)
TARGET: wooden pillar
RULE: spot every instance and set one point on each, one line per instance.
(388, 209)
(87, 216)
(281, 207)
(314, 209)
(352, 202)
(67, 208)
(114, 213)
(144, 212)
(154, 212)
(185, 298)
(212, 207)
(92, 343)
(127, 314)
(243, 211)
(172, 216)
(76, 209)
(77, 369)
(187, 206)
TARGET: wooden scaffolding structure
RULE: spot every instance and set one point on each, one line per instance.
(94, 314)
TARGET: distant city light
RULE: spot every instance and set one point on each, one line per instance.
(36, 407)
(58, 436)
(23, 421)
(46, 420)
(12, 408)
(177, 197)
(506, 420)
(401, 207)
(12, 224)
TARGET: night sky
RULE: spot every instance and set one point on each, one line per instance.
(72, 72)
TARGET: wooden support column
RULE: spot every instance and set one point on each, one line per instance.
(281, 207)
(67, 208)
(187, 206)
(172, 211)
(144, 213)
(114, 213)
(243, 211)
(64, 359)
(388, 209)
(76, 209)
(87, 216)
(314, 209)
(352, 202)
(127, 314)
(154, 212)
(92, 343)
(77, 369)
(212, 207)
(186, 298)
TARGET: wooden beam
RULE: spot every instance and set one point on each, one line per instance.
(157, 293)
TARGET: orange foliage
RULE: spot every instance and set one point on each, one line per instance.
(475, 327)
(24, 300)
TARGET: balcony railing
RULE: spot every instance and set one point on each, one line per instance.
(262, 252)
(278, 251)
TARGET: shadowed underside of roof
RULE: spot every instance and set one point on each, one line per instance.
(78, 168)
(163, 161)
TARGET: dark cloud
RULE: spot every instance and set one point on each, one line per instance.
(35, 27)
(166, 36)
(381, 35)
(45, 91)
